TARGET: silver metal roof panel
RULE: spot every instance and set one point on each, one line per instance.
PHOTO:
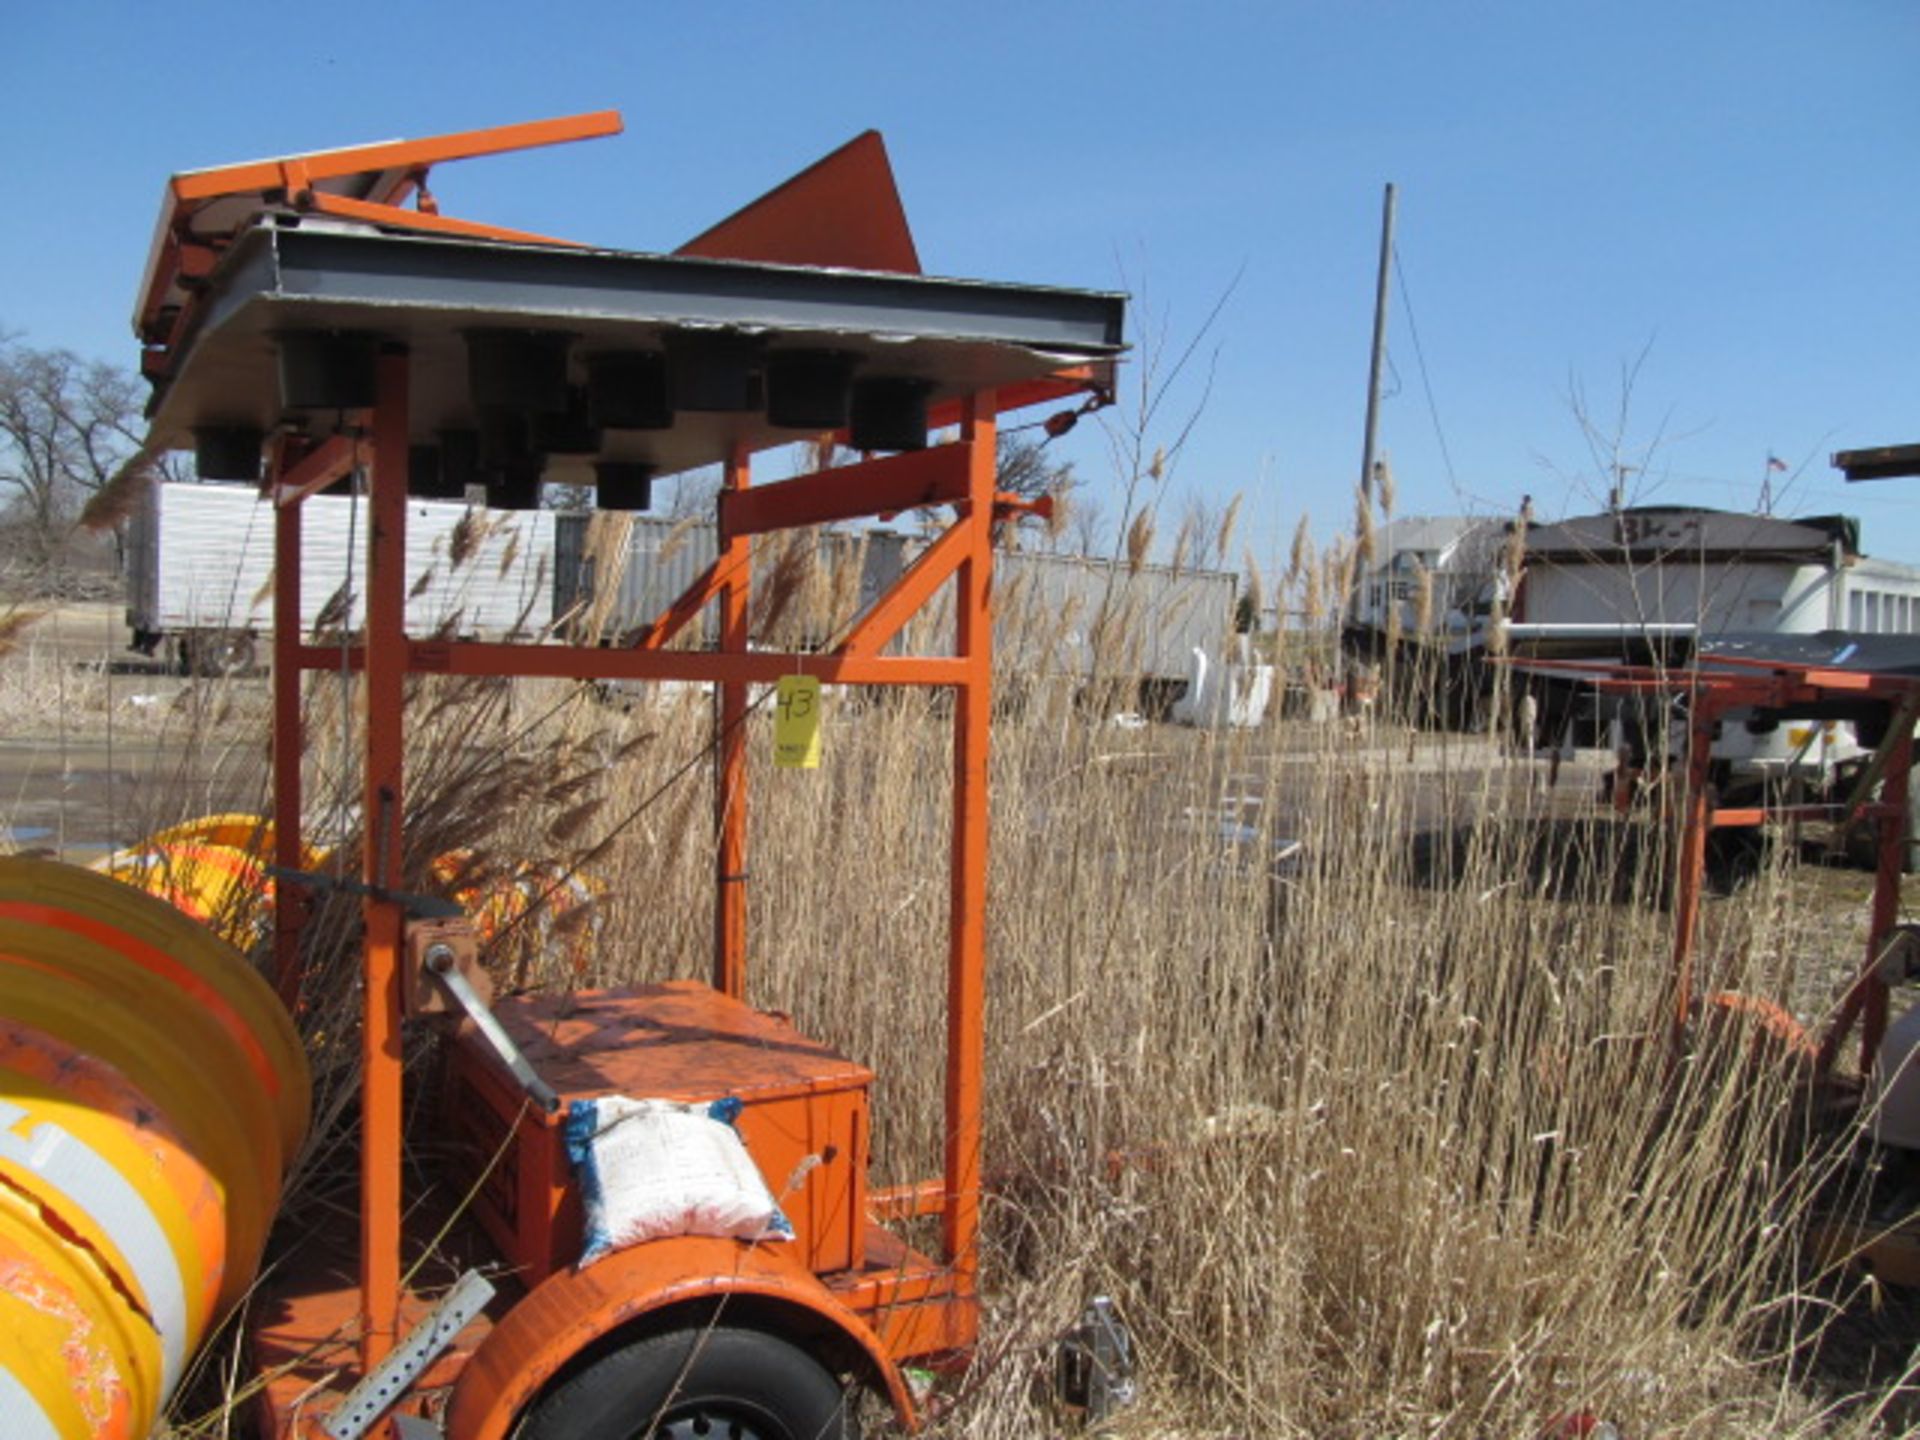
(428, 291)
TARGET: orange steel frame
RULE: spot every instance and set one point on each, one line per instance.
(961, 472)
(399, 171)
(1736, 684)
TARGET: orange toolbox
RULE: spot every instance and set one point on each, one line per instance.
(803, 1111)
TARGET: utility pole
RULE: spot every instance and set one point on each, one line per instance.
(1379, 345)
(1361, 584)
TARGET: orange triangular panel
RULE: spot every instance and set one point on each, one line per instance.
(843, 210)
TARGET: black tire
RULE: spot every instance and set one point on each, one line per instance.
(216, 653)
(711, 1381)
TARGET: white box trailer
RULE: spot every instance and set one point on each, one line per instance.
(1055, 616)
(200, 571)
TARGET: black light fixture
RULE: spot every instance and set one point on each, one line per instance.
(623, 485)
(714, 370)
(628, 390)
(809, 389)
(459, 462)
(430, 477)
(522, 370)
(327, 369)
(889, 413)
(515, 486)
(505, 437)
(571, 431)
(227, 452)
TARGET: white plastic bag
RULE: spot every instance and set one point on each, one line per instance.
(654, 1168)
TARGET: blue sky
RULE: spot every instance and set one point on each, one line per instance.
(1721, 194)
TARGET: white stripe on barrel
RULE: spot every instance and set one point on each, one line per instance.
(103, 1194)
(21, 1417)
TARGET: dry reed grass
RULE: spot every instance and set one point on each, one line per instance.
(1388, 1146)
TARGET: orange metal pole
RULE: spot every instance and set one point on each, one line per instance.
(351, 209)
(761, 667)
(383, 688)
(967, 954)
(730, 753)
(290, 900)
(402, 156)
(1691, 863)
(1892, 857)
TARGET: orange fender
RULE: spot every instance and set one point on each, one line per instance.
(1768, 1021)
(574, 1308)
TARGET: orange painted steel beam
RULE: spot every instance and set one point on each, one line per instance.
(394, 155)
(967, 945)
(1691, 862)
(1895, 794)
(564, 662)
(906, 1202)
(348, 208)
(1865, 1002)
(290, 898)
(327, 463)
(1061, 385)
(384, 688)
(916, 1281)
(399, 168)
(929, 571)
(735, 564)
(677, 616)
(879, 487)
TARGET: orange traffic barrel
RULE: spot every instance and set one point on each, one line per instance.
(153, 1092)
(213, 868)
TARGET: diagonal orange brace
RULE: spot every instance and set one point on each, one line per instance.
(1060, 385)
(315, 470)
(912, 590)
(695, 598)
(879, 487)
(378, 214)
(402, 155)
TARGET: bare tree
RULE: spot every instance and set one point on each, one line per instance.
(1087, 525)
(68, 426)
(1027, 470)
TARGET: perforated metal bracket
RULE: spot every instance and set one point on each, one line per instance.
(381, 1388)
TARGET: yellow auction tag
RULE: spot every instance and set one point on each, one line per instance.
(796, 722)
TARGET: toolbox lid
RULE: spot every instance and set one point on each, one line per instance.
(680, 1040)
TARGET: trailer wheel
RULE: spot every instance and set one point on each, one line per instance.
(705, 1381)
(219, 652)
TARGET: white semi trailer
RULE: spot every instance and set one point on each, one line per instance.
(200, 571)
(1055, 616)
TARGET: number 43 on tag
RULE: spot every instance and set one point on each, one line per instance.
(796, 722)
